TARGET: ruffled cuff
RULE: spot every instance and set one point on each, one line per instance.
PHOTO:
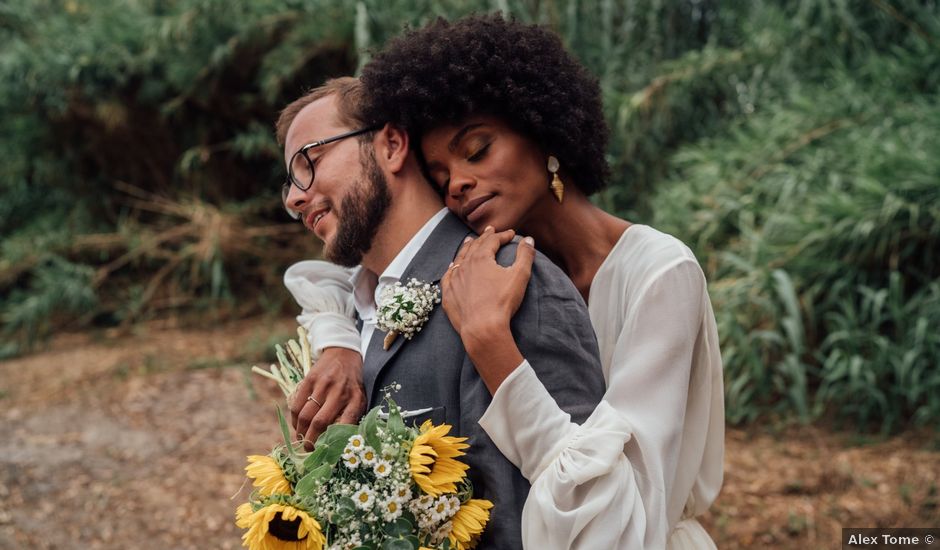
(330, 330)
(596, 446)
(529, 428)
(324, 292)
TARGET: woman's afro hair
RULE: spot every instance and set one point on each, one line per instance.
(482, 64)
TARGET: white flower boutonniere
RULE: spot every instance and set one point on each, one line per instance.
(404, 309)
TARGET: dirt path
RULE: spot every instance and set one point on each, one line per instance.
(139, 442)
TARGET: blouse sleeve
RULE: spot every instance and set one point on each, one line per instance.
(324, 293)
(604, 484)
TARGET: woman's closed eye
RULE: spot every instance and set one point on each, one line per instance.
(478, 154)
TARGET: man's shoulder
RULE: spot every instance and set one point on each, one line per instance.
(546, 276)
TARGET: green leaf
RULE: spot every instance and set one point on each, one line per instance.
(401, 527)
(398, 544)
(345, 508)
(337, 434)
(329, 446)
(369, 429)
(285, 431)
(395, 423)
(309, 483)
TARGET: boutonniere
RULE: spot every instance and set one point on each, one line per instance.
(404, 309)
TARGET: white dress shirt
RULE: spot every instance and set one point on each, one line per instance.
(367, 287)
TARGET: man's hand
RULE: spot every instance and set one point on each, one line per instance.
(331, 392)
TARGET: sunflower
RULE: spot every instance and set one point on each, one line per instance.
(432, 459)
(279, 527)
(267, 475)
(243, 515)
(469, 522)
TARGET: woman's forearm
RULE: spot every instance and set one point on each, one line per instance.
(493, 351)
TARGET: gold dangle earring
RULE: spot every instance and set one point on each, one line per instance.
(558, 188)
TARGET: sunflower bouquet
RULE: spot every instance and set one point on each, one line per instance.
(379, 485)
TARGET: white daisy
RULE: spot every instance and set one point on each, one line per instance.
(402, 493)
(453, 504)
(356, 442)
(439, 510)
(382, 468)
(391, 509)
(442, 532)
(351, 460)
(425, 502)
(364, 498)
(368, 455)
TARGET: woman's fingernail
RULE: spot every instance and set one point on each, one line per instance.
(450, 265)
(468, 239)
(529, 241)
(488, 228)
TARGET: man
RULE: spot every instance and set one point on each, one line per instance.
(362, 192)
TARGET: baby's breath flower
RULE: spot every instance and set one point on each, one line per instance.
(404, 309)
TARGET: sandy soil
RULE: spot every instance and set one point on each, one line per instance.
(138, 441)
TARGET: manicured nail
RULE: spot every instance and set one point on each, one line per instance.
(529, 241)
(468, 239)
(488, 228)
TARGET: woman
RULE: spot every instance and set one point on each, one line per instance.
(511, 130)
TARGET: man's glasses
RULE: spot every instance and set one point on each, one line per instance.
(301, 171)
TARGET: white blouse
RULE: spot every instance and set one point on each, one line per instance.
(649, 459)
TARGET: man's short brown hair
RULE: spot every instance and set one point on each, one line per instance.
(348, 92)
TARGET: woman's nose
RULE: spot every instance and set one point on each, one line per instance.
(460, 184)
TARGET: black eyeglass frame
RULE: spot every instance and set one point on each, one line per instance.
(292, 180)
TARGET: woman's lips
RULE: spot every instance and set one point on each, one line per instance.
(471, 210)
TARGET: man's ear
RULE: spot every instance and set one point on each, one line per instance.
(391, 147)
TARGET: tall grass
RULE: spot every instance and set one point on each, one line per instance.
(818, 218)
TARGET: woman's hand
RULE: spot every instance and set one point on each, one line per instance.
(480, 297)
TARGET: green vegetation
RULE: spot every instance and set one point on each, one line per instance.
(818, 218)
(793, 145)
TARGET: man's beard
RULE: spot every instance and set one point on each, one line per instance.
(362, 212)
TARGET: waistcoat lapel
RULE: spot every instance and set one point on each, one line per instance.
(428, 265)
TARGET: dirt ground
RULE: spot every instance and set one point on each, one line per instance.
(138, 441)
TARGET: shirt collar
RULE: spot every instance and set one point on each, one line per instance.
(367, 286)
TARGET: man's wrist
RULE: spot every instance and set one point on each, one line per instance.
(341, 348)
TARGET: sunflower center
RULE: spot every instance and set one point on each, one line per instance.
(285, 530)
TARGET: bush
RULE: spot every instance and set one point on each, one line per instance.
(817, 218)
